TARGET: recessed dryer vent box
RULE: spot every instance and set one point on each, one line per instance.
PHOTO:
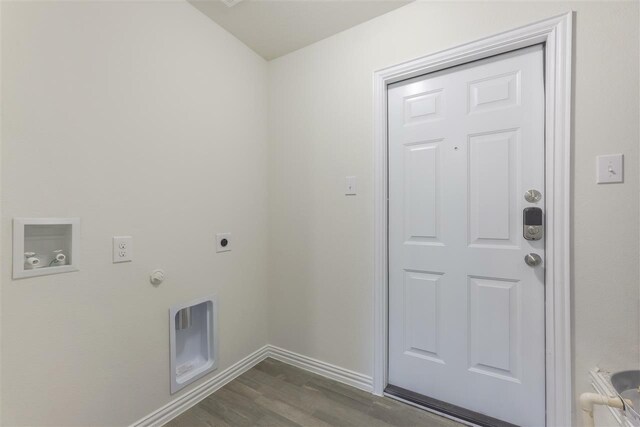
(45, 246)
(193, 339)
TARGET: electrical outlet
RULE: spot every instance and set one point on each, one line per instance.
(122, 248)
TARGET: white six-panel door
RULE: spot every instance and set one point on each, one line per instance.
(466, 313)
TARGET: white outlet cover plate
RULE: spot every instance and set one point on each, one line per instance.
(610, 169)
(122, 249)
(350, 186)
(219, 238)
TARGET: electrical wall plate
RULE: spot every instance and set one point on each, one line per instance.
(122, 249)
(223, 242)
(350, 186)
(44, 246)
(610, 169)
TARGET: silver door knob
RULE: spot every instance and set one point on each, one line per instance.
(532, 260)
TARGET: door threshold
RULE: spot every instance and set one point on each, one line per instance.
(444, 409)
(429, 410)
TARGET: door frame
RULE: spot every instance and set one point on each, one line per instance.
(556, 35)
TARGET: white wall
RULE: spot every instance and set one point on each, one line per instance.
(145, 118)
(141, 118)
(321, 262)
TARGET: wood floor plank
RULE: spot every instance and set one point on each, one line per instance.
(249, 408)
(217, 407)
(267, 385)
(207, 418)
(276, 394)
(291, 412)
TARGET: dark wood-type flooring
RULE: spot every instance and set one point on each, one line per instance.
(276, 394)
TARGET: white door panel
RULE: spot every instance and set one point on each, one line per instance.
(466, 314)
(421, 182)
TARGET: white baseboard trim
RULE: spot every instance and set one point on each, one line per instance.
(345, 376)
(192, 397)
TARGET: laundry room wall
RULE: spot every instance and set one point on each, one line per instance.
(321, 130)
(144, 119)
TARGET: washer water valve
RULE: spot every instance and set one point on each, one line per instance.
(31, 261)
(59, 258)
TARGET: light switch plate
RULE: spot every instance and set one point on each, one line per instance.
(223, 242)
(122, 248)
(610, 169)
(350, 186)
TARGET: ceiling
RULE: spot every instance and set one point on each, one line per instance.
(273, 28)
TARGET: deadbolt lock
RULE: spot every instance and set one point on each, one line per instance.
(532, 223)
(533, 196)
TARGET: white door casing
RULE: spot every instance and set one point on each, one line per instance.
(556, 34)
(466, 314)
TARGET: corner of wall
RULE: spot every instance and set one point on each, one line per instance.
(1, 218)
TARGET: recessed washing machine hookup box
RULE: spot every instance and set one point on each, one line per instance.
(45, 246)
